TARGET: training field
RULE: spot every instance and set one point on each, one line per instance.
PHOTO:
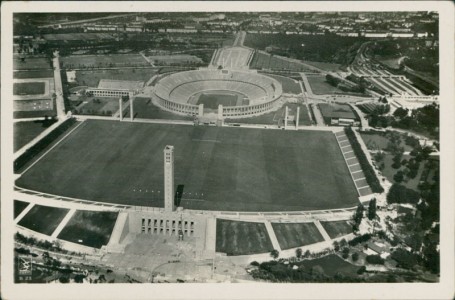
(43, 219)
(241, 238)
(219, 168)
(19, 206)
(89, 228)
(337, 228)
(291, 235)
(29, 88)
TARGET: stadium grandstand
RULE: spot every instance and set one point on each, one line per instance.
(116, 88)
(180, 92)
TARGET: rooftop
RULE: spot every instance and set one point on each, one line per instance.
(120, 84)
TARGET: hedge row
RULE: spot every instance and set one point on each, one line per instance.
(33, 151)
(367, 169)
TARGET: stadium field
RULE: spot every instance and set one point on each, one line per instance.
(89, 228)
(236, 169)
(292, 235)
(43, 219)
(28, 88)
(19, 206)
(337, 228)
(241, 238)
(212, 100)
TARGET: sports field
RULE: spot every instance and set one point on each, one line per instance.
(93, 77)
(145, 109)
(89, 228)
(320, 86)
(228, 168)
(19, 206)
(43, 219)
(24, 132)
(212, 100)
(110, 60)
(337, 228)
(291, 235)
(28, 88)
(241, 238)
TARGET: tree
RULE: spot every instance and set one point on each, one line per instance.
(398, 177)
(400, 112)
(355, 256)
(298, 252)
(307, 254)
(274, 253)
(372, 209)
(336, 246)
(358, 215)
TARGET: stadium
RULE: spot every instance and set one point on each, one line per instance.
(240, 93)
(97, 180)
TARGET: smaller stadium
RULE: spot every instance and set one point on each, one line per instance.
(233, 93)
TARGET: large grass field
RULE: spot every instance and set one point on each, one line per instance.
(19, 206)
(241, 238)
(320, 86)
(337, 228)
(43, 219)
(292, 235)
(28, 88)
(212, 100)
(229, 168)
(89, 228)
(24, 132)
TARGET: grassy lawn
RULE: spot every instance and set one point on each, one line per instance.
(337, 228)
(241, 238)
(291, 235)
(110, 161)
(28, 88)
(43, 219)
(32, 63)
(331, 264)
(212, 100)
(34, 113)
(92, 78)
(24, 132)
(289, 85)
(89, 228)
(19, 206)
(110, 60)
(320, 86)
(105, 106)
(277, 117)
(389, 172)
(33, 74)
(266, 61)
(145, 109)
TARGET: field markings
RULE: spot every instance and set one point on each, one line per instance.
(359, 179)
(356, 171)
(63, 223)
(55, 145)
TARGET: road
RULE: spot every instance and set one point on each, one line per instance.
(58, 87)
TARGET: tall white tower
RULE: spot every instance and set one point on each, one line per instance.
(169, 178)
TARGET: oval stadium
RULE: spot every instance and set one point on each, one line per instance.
(240, 93)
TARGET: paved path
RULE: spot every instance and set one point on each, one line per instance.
(23, 213)
(63, 223)
(272, 236)
(322, 230)
(58, 87)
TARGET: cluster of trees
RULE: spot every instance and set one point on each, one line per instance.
(30, 153)
(358, 216)
(374, 259)
(339, 83)
(20, 238)
(367, 169)
(400, 194)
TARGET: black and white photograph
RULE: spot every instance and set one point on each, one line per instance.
(232, 150)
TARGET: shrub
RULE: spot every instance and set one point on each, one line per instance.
(355, 256)
(375, 260)
(254, 263)
(361, 270)
(360, 239)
